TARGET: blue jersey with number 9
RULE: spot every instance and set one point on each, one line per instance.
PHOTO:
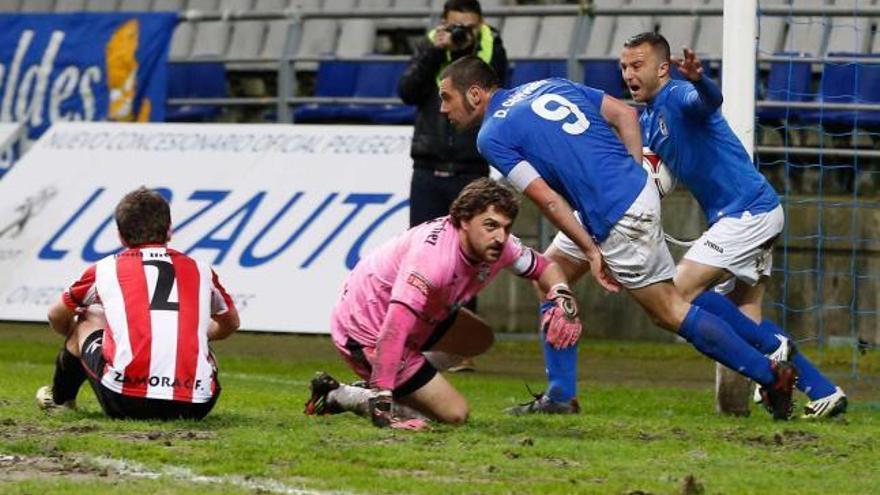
(553, 129)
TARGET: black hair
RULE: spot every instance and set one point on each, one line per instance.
(656, 40)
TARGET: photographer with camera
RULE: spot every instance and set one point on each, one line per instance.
(444, 161)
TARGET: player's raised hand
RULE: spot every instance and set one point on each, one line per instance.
(600, 272)
(690, 66)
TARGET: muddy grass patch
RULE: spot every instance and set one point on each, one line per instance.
(18, 467)
(168, 436)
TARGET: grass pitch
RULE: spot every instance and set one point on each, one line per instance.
(648, 426)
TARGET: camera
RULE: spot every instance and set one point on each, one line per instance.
(460, 35)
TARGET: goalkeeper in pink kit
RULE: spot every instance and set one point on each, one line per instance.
(398, 321)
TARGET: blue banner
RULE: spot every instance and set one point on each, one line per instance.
(83, 67)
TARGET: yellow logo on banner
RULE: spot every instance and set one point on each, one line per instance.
(122, 67)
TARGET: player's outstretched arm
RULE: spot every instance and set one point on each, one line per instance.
(706, 97)
(560, 214)
(625, 121)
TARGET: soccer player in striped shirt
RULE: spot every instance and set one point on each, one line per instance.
(137, 324)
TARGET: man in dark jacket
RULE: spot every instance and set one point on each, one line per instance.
(445, 161)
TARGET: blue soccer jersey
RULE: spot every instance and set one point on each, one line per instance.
(683, 124)
(553, 129)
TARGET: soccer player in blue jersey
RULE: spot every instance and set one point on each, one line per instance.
(566, 145)
(683, 124)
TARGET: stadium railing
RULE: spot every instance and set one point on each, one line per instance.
(577, 60)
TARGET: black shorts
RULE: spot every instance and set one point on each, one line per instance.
(121, 406)
(426, 371)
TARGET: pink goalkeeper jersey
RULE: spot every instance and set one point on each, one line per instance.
(424, 269)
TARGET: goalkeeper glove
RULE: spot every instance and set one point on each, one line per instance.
(560, 324)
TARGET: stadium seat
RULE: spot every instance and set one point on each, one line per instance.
(247, 39)
(604, 75)
(519, 35)
(210, 40)
(679, 30)
(345, 6)
(334, 79)
(771, 29)
(549, 56)
(378, 80)
(525, 71)
(203, 5)
(31, 6)
(134, 5)
(601, 31)
(875, 44)
(788, 81)
(555, 37)
(101, 6)
(406, 23)
(850, 82)
(235, 5)
(181, 41)
(869, 92)
(628, 26)
(276, 30)
(66, 6)
(806, 33)
(195, 80)
(708, 42)
(372, 5)
(359, 79)
(849, 34)
(318, 37)
(276, 34)
(169, 5)
(356, 37)
(838, 85)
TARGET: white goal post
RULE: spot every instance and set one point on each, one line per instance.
(740, 35)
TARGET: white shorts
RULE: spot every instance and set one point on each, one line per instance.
(743, 246)
(635, 250)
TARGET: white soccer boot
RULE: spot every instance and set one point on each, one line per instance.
(46, 401)
(826, 407)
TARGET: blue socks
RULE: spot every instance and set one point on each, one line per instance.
(810, 380)
(762, 337)
(712, 336)
(561, 367)
(762, 340)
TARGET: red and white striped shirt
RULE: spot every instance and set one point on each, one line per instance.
(158, 303)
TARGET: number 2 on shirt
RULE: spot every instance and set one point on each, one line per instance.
(565, 108)
(164, 284)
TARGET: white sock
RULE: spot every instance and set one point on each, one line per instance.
(357, 400)
(354, 399)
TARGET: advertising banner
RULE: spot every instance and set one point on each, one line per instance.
(83, 67)
(10, 145)
(283, 212)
